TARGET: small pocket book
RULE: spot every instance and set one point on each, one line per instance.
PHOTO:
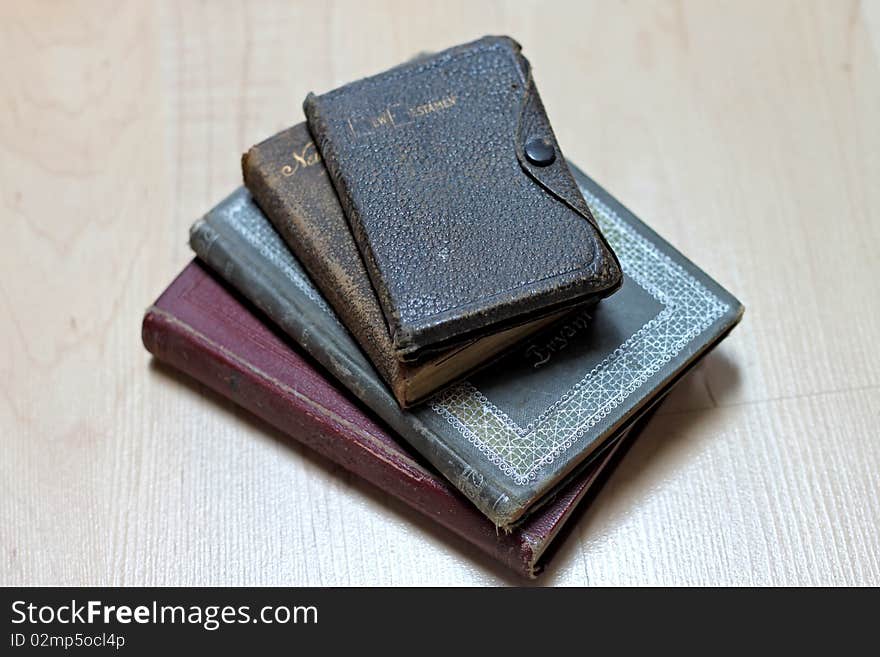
(466, 215)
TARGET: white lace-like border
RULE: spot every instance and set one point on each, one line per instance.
(689, 309)
(264, 238)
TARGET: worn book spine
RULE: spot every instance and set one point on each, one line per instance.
(202, 329)
(288, 181)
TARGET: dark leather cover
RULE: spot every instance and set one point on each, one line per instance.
(460, 233)
(512, 434)
(206, 331)
(288, 181)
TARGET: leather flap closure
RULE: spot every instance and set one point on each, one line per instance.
(538, 151)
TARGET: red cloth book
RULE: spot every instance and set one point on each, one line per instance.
(207, 331)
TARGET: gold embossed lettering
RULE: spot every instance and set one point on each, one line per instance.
(306, 157)
(397, 115)
(437, 105)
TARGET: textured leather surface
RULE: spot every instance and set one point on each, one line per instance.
(460, 234)
(289, 182)
(203, 329)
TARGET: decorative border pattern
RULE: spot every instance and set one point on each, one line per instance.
(262, 236)
(688, 309)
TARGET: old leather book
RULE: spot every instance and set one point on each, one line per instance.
(203, 329)
(458, 197)
(288, 181)
(513, 433)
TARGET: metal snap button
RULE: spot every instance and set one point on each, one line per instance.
(540, 152)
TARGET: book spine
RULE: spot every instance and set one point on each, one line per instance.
(330, 276)
(180, 346)
(177, 344)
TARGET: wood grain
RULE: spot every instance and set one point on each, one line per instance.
(746, 133)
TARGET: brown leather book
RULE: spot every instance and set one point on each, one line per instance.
(207, 331)
(287, 179)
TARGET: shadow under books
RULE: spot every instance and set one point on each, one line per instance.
(632, 461)
(654, 447)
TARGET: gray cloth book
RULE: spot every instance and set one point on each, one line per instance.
(513, 433)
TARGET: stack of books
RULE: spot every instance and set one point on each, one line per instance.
(416, 283)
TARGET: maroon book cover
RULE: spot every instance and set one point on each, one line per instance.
(201, 328)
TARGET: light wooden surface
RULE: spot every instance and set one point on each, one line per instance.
(748, 134)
